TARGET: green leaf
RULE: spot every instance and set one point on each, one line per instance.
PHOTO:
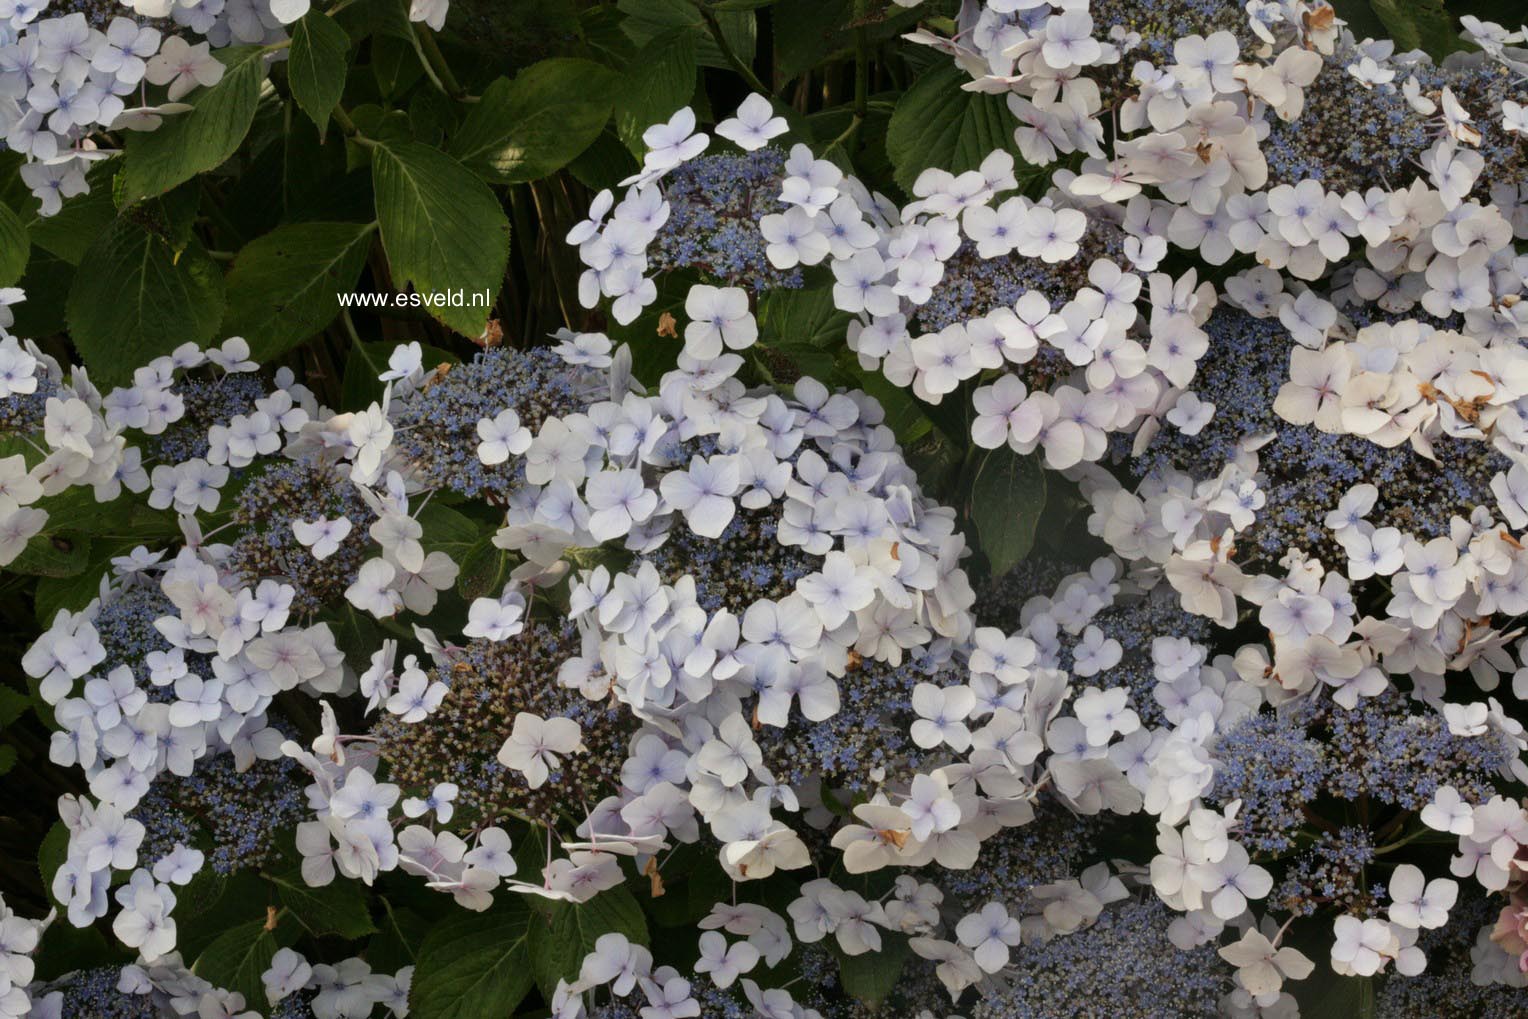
(72, 593)
(537, 123)
(473, 965)
(66, 949)
(785, 363)
(53, 554)
(337, 908)
(936, 123)
(395, 64)
(802, 316)
(603, 29)
(51, 854)
(443, 229)
(872, 977)
(1329, 996)
(237, 957)
(78, 510)
(558, 945)
(604, 164)
(69, 233)
(204, 892)
(1419, 24)
(693, 883)
(314, 183)
(1361, 19)
(804, 328)
(432, 116)
(904, 414)
(47, 283)
(446, 529)
(653, 354)
(13, 190)
(394, 946)
(485, 569)
(390, 127)
(1007, 496)
(186, 145)
(356, 633)
(14, 246)
(661, 80)
(13, 704)
(484, 34)
(139, 300)
(647, 19)
(285, 286)
(379, 17)
(809, 32)
(317, 65)
(241, 899)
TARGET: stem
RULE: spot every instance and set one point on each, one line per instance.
(861, 62)
(351, 131)
(435, 65)
(1280, 935)
(429, 67)
(1398, 843)
(355, 337)
(1389, 829)
(715, 28)
(343, 120)
(545, 215)
(848, 133)
(1317, 820)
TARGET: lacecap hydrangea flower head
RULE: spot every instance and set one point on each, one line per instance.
(163, 687)
(73, 70)
(766, 647)
(526, 626)
(1267, 315)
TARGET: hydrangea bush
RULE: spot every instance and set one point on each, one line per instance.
(948, 511)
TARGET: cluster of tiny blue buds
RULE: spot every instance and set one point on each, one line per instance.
(208, 402)
(437, 426)
(1308, 471)
(234, 816)
(1058, 844)
(1123, 967)
(1445, 988)
(1330, 874)
(93, 993)
(22, 413)
(715, 204)
(267, 547)
(490, 683)
(1351, 137)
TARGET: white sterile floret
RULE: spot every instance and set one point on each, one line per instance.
(753, 125)
(534, 745)
(502, 437)
(718, 317)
